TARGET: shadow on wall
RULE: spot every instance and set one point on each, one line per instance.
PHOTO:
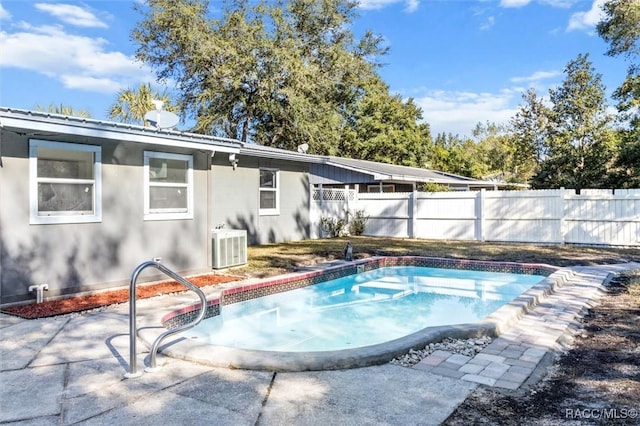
(254, 236)
(16, 271)
(284, 231)
(21, 269)
(242, 222)
(79, 266)
(181, 258)
(303, 223)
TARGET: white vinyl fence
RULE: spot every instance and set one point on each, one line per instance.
(559, 216)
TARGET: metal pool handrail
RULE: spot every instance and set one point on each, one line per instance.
(133, 332)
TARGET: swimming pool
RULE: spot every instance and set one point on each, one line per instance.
(492, 309)
(362, 309)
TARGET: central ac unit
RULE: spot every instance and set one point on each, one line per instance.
(229, 247)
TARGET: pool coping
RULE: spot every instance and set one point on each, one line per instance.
(221, 356)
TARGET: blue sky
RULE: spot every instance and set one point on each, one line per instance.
(463, 61)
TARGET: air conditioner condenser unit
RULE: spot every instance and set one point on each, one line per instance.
(228, 247)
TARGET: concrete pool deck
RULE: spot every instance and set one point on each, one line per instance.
(69, 369)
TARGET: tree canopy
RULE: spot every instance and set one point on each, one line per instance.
(277, 73)
(569, 143)
(529, 128)
(286, 72)
(621, 29)
(385, 128)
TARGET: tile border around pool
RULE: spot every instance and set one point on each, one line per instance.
(294, 281)
(493, 325)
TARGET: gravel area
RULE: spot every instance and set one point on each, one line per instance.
(468, 347)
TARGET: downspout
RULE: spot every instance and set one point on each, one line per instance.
(1, 240)
(1, 127)
(209, 199)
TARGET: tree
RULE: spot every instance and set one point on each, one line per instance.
(279, 74)
(131, 105)
(627, 165)
(497, 150)
(621, 29)
(580, 140)
(529, 129)
(452, 154)
(63, 110)
(386, 129)
(329, 71)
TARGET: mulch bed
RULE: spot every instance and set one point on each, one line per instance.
(82, 303)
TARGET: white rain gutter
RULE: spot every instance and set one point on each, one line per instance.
(149, 136)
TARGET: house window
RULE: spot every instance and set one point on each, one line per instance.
(64, 182)
(385, 188)
(269, 192)
(168, 186)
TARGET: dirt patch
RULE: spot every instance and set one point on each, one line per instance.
(82, 303)
(597, 381)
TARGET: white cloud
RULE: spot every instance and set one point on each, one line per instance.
(522, 3)
(514, 3)
(76, 61)
(490, 22)
(3, 13)
(71, 14)
(459, 112)
(536, 76)
(411, 5)
(94, 84)
(559, 3)
(587, 20)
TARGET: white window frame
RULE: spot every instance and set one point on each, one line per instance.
(276, 190)
(377, 188)
(64, 217)
(168, 214)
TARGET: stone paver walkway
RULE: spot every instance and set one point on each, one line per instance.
(512, 357)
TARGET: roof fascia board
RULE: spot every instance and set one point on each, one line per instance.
(448, 179)
(374, 175)
(384, 177)
(113, 134)
(284, 155)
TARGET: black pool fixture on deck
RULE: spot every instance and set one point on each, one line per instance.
(133, 332)
(348, 251)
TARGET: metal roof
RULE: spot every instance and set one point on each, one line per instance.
(379, 171)
(41, 123)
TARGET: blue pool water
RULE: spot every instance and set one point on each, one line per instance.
(362, 309)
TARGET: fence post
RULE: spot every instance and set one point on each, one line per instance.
(413, 213)
(480, 215)
(347, 204)
(356, 200)
(321, 210)
(563, 225)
